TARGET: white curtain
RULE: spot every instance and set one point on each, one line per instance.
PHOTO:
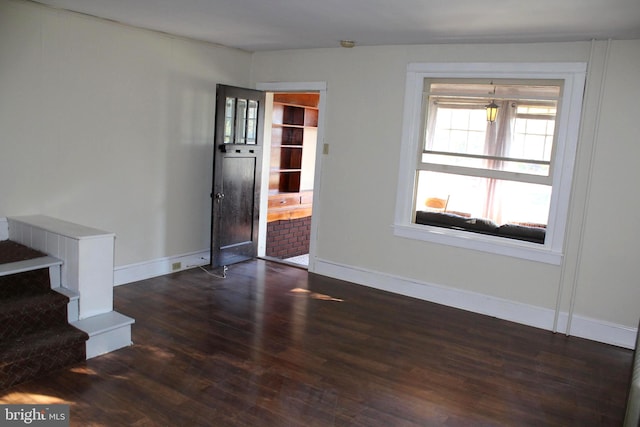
(430, 126)
(498, 140)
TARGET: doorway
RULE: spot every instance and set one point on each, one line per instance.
(322, 149)
(291, 127)
(240, 203)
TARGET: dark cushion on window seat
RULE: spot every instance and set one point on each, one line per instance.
(441, 219)
(522, 232)
(481, 225)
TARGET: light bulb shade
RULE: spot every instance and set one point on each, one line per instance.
(492, 111)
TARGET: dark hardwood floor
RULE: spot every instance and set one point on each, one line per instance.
(247, 351)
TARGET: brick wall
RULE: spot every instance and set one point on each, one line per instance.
(288, 238)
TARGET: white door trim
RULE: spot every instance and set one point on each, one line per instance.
(321, 88)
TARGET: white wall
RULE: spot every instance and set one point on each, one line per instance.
(359, 178)
(110, 126)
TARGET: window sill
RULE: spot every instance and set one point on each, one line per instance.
(479, 242)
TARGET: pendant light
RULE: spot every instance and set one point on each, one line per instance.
(492, 109)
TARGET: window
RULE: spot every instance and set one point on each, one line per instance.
(497, 171)
(500, 186)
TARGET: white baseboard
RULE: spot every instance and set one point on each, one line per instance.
(603, 331)
(158, 267)
(539, 317)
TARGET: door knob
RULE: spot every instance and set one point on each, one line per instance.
(219, 196)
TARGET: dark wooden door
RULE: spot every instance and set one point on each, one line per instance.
(237, 165)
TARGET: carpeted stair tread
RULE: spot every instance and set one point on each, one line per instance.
(25, 314)
(11, 251)
(35, 336)
(40, 343)
(30, 356)
(25, 283)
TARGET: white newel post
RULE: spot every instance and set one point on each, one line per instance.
(93, 279)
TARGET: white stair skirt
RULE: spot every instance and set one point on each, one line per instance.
(73, 307)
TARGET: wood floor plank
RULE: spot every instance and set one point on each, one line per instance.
(249, 351)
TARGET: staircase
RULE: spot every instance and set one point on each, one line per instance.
(35, 334)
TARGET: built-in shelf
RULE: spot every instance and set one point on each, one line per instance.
(293, 144)
(294, 130)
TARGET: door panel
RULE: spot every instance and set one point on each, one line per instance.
(237, 210)
(237, 164)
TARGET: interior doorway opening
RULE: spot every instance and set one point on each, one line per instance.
(291, 130)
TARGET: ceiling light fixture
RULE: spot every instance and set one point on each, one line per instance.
(347, 43)
(492, 109)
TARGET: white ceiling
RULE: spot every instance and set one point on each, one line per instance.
(256, 25)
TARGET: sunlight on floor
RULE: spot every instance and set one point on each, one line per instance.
(83, 370)
(315, 295)
(31, 399)
(300, 260)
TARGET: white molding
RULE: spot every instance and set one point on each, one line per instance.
(601, 330)
(526, 314)
(479, 242)
(4, 229)
(73, 306)
(158, 267)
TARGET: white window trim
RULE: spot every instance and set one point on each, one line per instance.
(573, 74)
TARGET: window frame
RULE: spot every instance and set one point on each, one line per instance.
(569, 117)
